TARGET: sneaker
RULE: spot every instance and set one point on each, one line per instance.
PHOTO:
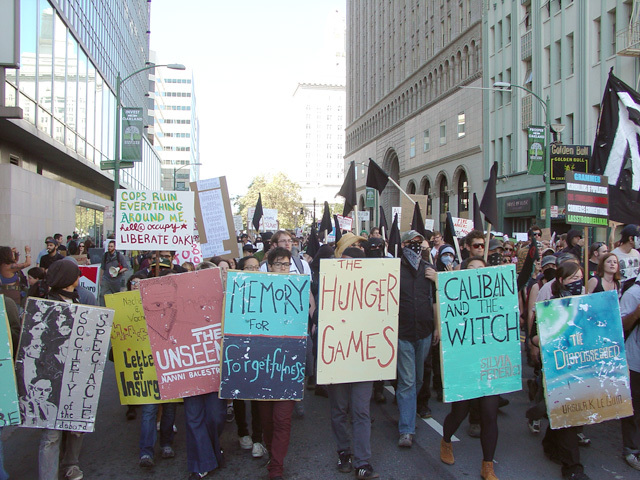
(145, 462)
(197, 476)
(344, 461)
(424, 412)
(474, 430)
(168, 452)
(245, 442)
(576, 476)
(131, 412)
(365, 472)
(258, 450)
(230, 414)
(502, 402)
(405, 440)
(633, 459)
(583, 441)
(534, 426)
(74, 473)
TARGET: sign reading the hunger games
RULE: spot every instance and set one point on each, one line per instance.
(480, 332)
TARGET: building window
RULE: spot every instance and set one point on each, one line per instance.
(597, 37)
(463, 194)
(612, 20)
(443, 133)
(427, 192)
(444, 199)
(425, 141)
(570, 50)
(461, 125)
(412, 147)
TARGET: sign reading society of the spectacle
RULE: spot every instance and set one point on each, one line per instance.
(150, 220)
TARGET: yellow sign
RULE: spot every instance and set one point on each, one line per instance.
(358, 302)
(135, 371)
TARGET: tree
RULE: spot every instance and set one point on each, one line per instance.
(279, 192)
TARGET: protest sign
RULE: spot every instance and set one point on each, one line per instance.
(586, 376)
(265, 336)
(346, 223)
(147, 220)
(462, 226)
(396, 211)
(429, 224)
(135, 371)
(183, 314)
(9, 410)
(587, 199)
(90, 279)
(358, 319)
(59, 365)
(214, 218)
(193, 254)
(480, 332)
(268, 222)
(407, 205)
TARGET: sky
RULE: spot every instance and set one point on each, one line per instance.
(247, 58)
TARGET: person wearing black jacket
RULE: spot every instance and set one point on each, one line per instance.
(415, 330)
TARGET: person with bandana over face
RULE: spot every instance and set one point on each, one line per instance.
(494, 257)
(416, 329)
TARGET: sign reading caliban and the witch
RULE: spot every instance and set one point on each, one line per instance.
(586, 377)
(480, 332)
(150, 220)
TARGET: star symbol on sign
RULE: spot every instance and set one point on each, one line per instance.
(183, 226)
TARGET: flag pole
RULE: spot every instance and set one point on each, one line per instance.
(401, 190)
(585, 257)
(486, 242)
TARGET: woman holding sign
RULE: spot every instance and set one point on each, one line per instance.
(488, 415)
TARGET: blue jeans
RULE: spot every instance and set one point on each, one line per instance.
(148, 427)
(3, 473)
(204, 417)
(411, 357)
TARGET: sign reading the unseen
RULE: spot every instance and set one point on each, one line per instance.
(265, 336)
(480, 332)
(358, 304)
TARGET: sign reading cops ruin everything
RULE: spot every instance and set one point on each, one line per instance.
(480, 332)
(183, 314)
(148, 220)
(60, 362)
(135, 371)
(9, 410)
(587, 199)
(566, 158)
(358, 302)
(586, 376)
(265, 336)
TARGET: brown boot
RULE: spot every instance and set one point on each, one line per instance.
(487, 472)
(446, 452)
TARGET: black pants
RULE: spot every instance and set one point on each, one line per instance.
(562, 445)
(631, 425)
(488, 422)
(240, 410)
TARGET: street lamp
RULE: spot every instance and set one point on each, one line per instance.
(547, 159)
(176, 169)
(116, 162)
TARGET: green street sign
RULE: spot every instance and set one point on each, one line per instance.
(111, 165)
(536, 150)
(370, 198)
(132, 129)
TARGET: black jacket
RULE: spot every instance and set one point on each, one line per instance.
(417, 295)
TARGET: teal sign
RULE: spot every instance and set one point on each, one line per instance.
(480, 332)
(9, 410)
(370, 198)
(132, 131)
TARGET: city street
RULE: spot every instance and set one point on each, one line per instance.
(111, 452)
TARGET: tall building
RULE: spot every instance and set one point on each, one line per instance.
(57, 116)
(176, 128)
(561, 50)
(412, 105)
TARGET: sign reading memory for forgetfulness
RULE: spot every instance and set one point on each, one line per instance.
(587, 199)
(132, 129)
(566, 158)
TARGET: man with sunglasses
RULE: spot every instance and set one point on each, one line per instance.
(474, 241)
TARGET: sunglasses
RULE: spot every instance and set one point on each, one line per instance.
(477, 245)
(537, 234)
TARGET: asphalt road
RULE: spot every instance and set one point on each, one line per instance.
(111, 452)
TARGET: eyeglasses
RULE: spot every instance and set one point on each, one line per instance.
(287, 241)
(537, 234)
(134, 282)
(477, 245)
(252, 268)
(281, 264)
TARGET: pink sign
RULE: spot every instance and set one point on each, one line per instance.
(183, 314)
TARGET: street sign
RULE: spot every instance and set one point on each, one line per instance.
(566, 158)
(111, 164)
(370, 197)
(132, 129)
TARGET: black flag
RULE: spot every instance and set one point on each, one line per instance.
(616, 149)
(417, 223)
(449, 235)
(325, 224)
(527, 266)
(395, 245)
(383, 224)
(489, 203)
(313, 245)
(257, 214)
(348, 190)
(376, 177)
(337, 229)
(478, 224)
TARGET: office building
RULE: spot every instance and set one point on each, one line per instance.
(57, 117)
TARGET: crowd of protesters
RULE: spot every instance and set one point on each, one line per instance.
(556, 272)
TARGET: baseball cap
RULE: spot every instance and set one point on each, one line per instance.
(548, 260)
(51, 240)
(495, 244)
(410, 235)
(630, 230)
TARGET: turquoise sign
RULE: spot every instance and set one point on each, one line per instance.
(9, 410)
(480, 332)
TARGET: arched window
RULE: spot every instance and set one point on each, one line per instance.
(411, 188)
(444, 196)
(463, 194)
(427, 191)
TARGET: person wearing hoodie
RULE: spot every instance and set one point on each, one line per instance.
(574, 240)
